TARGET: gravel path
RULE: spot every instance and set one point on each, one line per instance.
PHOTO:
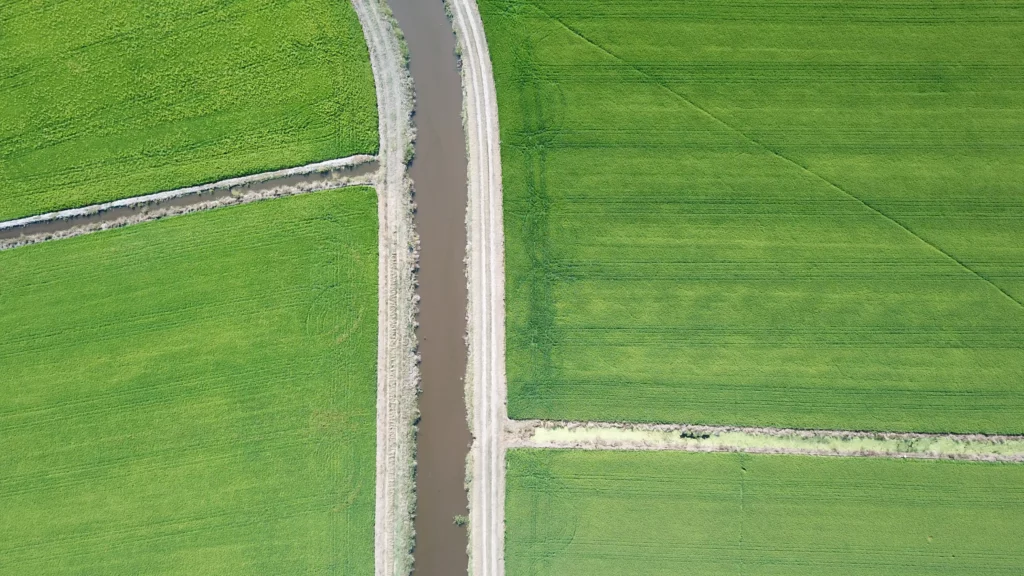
(486, 371)
(397, 371)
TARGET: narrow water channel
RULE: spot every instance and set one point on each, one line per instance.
(439, 176)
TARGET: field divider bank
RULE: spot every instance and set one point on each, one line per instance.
(397, 360)
(359, 170)
(692, 438)
(485, 378)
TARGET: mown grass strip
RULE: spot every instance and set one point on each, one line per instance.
(649, 513)
(194, 395)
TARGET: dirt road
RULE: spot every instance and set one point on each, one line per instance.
(397, 372)
(486, 372)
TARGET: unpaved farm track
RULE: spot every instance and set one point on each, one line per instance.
(486, 277)
(397, 371)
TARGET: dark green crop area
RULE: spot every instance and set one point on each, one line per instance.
(194, 395)
(659, 513)
(108, 99)
(797, 214)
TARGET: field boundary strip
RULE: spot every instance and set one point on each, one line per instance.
(695, 438)
(397, 361)
(358, 170)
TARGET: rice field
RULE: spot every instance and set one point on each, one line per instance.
(798, 214)
(108, 99)
(193, 395)
(650, 513)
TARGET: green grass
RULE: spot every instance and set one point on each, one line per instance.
(194, 395)
(107, 99)
(741, 212)
(648, 513)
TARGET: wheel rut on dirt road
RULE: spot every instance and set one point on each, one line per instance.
(486, 372)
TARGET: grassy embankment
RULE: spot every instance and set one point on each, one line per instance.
(107, 99)
(193, 395)
(649, 513)
(750, 213)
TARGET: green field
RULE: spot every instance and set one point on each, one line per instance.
(800, 214)
(648, 513)
(107, 99)
(194, 395)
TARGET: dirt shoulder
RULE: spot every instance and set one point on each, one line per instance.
(397, 371)
(486, 393)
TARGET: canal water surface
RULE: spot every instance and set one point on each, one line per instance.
(439, 177)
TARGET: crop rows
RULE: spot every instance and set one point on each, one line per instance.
(108, 99)
(809, 224)
(193, 395)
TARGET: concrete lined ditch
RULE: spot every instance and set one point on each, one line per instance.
(439, 179)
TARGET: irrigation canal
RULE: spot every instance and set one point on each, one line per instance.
(439, 177)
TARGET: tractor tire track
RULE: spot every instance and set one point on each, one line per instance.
(486, 278)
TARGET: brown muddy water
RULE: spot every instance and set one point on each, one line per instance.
(439, 176)
(217, 193)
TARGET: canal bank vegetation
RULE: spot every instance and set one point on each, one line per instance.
(108, 99)
(194, 395)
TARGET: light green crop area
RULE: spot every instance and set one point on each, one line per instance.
(107, 99)
(796, 214)
(651, 513)
(194, 395)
